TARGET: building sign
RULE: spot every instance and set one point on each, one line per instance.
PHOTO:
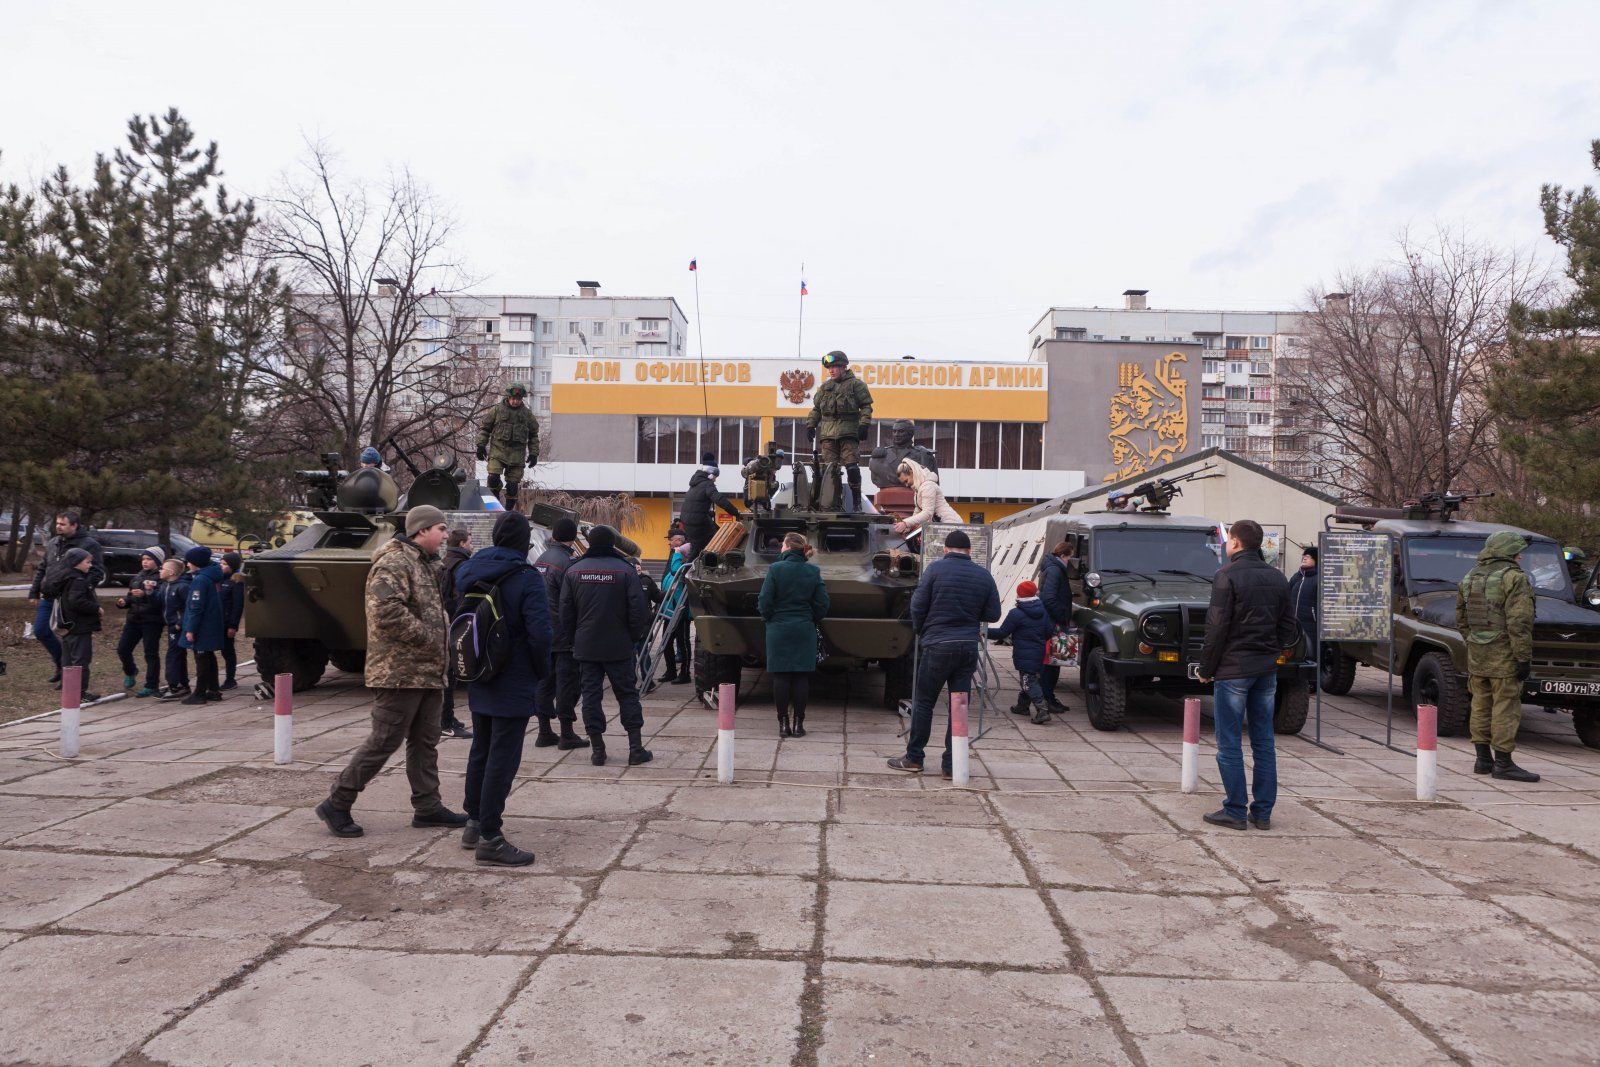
(1149, 416)
(1013, 392)
(1355, 571)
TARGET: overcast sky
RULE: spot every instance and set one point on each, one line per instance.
(945, 171)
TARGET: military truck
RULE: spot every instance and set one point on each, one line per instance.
(1434, 550)
(869, 573)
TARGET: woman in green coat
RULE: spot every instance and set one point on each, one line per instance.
(793, 601)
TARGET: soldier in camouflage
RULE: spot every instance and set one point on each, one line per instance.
(1494, 612)
(406, 634)
(840, 413)
(508, 438)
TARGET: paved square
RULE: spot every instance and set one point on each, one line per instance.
(153, 827)
(642, 911)
(40, 887)
(944, 924)
(951, 855)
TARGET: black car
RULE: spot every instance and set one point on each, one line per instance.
(124, 547)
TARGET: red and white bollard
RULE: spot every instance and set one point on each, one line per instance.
(1427, 752)
(960, 769)
(283, 719)
(725, 703)
(71, 700)
(1191, 744)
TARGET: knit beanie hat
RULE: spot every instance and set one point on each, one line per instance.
(708, 459)
(421, 517)
(199, 555)
(1026, 589)
(564, 530)
(155, 553)
(74, 556)
(602, 541)
(958, 539)
(512, 530)
(233, 560)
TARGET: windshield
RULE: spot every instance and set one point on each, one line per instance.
(1155, 551)
(1446, 560)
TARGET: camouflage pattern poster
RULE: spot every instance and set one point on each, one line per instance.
(933, 536)
(1356, 575)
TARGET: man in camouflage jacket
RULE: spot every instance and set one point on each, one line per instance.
(840, 413)
(406, 649)
(1494, 612)
(508, 436)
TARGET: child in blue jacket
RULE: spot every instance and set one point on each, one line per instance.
(1030, 629)
(174, 598)
(203, 627)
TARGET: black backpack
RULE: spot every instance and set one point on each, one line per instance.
(480, 634)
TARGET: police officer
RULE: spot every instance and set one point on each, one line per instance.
(1494, 612)
(508, 435)
(840, 413)
(557, 697)
(603, 615)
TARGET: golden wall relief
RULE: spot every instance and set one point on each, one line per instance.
(1149, 416)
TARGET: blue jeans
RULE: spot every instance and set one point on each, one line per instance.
(42, 632)
(1238, 702)
(937, 667)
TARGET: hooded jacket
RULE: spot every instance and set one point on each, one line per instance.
(1055, 591)
(407, 631)
(1030, 628)
(603, 608)
(1250, 621)
(1303, 598)
(702, 496)
(1495, 609)
(174, 598)
(931, 504)
(511, 693)
(202, 614)
(80, 609)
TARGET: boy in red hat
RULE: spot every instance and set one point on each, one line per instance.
(1030, 629)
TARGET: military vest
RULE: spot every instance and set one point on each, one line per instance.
(837, 399)
(1484, 590)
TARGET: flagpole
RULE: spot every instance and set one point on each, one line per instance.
(800, 331)
(700, 330)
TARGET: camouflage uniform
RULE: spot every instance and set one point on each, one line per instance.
(406, 637)
(840, 412)
(511, 437)
(1494, 612)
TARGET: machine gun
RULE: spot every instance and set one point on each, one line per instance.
(761, 477)
(322, 487)
(1441, 506)
(1158, 493)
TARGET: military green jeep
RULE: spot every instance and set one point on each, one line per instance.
(1141, 583)
(1433, 552)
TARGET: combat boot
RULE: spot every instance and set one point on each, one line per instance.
(547, 736)
(597, 750)
(1485, 761)
(570, 740)
(783, 725)
(1506, 770)
(799, 724)
(511, 495)
(637, 753)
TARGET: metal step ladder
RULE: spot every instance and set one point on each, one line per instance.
(653, 651)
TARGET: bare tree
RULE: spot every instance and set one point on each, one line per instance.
(1390, 386)
(373, 345)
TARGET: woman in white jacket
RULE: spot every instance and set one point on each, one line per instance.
(931, 504)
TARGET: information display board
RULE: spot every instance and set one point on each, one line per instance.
(1355, 571)
(934, 533)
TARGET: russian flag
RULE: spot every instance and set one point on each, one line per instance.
(803, 290)
(694, 264)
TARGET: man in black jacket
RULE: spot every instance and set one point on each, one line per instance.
(954, 598)
(458, 549)
(1055, 593)
(71, 583)
(557, 697)
(699, 521)
(1249, 624)
(603, 615)
(70, 534)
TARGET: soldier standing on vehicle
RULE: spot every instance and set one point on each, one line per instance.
(508, 438)
(1494, 612)
(840, 414)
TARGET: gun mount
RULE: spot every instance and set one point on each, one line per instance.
(1156, 495)
(761, 477)
(1429, 507)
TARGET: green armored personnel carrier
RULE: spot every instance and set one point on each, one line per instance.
(869, 573)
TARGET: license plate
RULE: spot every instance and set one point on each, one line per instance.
(1569, 689)
(1194, 671)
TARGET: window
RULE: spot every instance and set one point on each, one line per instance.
(1211, 417)
(1260, 418)
(544, 352)
(1211, 392)
(1235, 342)
(1259, 343)
(1262, 393)
(546, 328)
(944, 444)
(572, 329)
(544, 403)
(1236, 368)
(598, 350)
(1211, 440)
(1238, 392)
(624, 328)
(668, 439)
(649, 325)
(597, 329)
(520, 323)
(989, 445)
(544, 378)
(1032, 446)
(1011, 446)
(519, 350)
(625, 351)
(967, 444)
(1212, 366)
(491, 325)
(1259, 367)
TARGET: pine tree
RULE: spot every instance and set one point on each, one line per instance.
(1548, 389)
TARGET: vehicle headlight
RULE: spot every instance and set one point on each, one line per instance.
(1592, 597)
(1155, 627)
(1092, 579)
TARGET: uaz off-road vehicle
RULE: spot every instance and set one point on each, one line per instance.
(1434, 551)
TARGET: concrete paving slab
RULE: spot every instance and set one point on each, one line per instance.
(217, 900)
(650, 1011)
(727, 848)
(941, 807)
(1563, 824)
(940, 924)
(1186, 1020)
(20, 816)
(560, 846)
(90, 1000)
(151, 827)
(104, 778)
(750, 804)
(283, 787)
(1088, 814)
(480, 912)
(1290, 817)
(939, 1015)
(648, 911)
(1343, 864)
(1191, 937)
(966, 855)
(1417, 820)
(1509, 1028)
(42, 887)
(1438, 939)
(390, 839)
(394, 995)
(586, 800)
(1570, 921)
(1511, 867)
(1170, 862)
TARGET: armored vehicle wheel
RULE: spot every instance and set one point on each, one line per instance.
(898, 676)
(1107, 697)
(1338, 671)
(711, 670)
(1587, 722)
(1292, 705)
(1435, 681)
(305, 659)
(349, 660)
